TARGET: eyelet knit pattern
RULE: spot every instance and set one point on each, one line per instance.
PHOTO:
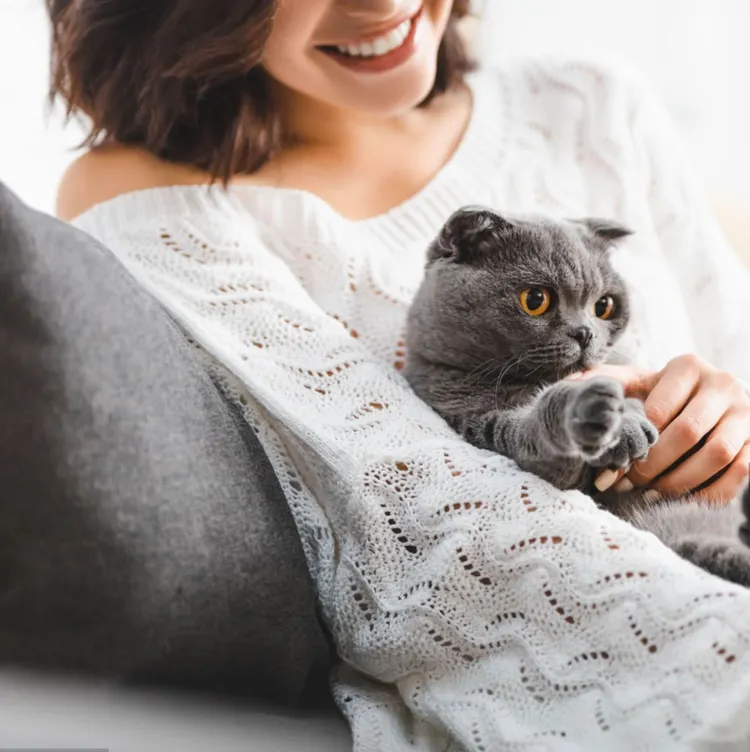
(474, 607)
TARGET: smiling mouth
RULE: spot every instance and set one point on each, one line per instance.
(376, 47)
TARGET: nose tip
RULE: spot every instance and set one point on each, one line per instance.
(582, 335)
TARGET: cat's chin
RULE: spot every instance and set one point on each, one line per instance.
(581, 362)
(588, 359)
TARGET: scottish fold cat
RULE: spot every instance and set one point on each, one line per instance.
(507, 309)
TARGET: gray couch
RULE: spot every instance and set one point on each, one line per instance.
(144, 540)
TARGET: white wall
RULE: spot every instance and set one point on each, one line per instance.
(695, 51)
(34, 149)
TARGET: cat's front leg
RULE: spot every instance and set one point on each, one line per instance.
(637, 435)
(559, 432)
(575, 419)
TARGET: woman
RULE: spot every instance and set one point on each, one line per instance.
(345, 132)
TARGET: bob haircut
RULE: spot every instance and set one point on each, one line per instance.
(182, 78)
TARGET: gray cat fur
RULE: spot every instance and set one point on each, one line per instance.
(496, 373)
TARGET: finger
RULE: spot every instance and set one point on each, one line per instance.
(608, 478)
(726, 487)
(722, 448)
(672, 391)
(698, 418)
(636, 381)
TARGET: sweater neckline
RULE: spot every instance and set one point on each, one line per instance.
(463, 179)
(296, 215)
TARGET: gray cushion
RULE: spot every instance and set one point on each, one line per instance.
(143, 534)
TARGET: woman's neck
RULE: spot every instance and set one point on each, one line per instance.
(310, 123)
(363, 165)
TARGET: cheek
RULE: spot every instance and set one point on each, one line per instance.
(294, 27)
(615, 329)
(522, 328)
(439, 12)
(291, 57)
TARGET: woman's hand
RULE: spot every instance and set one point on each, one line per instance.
(688, 400)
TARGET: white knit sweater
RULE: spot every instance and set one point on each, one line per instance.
(498, 613)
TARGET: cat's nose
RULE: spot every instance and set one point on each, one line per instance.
(582, 335)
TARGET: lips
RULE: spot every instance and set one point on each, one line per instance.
(380, 53)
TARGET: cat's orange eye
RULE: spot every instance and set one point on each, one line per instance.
(535, 300)
(604, 307)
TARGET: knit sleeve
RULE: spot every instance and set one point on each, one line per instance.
(490, 607)
(714, 281)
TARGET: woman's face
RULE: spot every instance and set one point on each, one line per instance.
(373, 56)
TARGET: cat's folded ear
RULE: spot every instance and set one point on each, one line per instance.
(469, 234)
(604, 229)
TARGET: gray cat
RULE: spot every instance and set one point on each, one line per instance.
(508, 308)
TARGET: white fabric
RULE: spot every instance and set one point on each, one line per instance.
(499, 613)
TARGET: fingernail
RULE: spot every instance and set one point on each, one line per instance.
(576, 375)
(624, 485)
(651, 496)
(605, 479)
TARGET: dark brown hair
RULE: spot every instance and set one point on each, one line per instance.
(182, 77)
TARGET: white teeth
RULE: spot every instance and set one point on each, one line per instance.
(380, 46)
(394, 37)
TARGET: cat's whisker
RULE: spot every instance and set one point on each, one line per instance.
(481, 367)
(529, 375)
(482, 372)
(513, 362)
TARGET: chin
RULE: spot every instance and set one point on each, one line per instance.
(393, 95)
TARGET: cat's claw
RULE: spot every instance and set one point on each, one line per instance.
(596, 416)
(637, 435)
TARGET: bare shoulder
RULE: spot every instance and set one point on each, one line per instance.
(109, 171)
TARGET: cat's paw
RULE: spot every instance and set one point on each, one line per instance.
(596, 415)
(729, 560)
(637, 435)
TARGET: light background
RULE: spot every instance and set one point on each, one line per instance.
(694, 52)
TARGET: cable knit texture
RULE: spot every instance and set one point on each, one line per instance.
(474, 606)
